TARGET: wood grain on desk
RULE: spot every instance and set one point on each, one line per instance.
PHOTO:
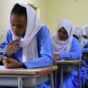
(68, 65)
(69, 62)
(21, 71)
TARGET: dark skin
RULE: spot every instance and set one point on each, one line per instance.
(62, 36)
(18, 24)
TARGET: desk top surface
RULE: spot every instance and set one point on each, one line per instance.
(69, 62)
(21, 71)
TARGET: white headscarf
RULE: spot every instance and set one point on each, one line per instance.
(85, 30)
(29, 42)
(78, 31)
(84, 41)
(63, 46)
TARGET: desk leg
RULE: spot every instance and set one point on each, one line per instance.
(20, 85)
(55, 82)
(79, 77)
(52, 80)
(61, 74)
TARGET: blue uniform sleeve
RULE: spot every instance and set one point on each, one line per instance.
(8, 39)
(44, 49)
(75, 52)
(85, 49)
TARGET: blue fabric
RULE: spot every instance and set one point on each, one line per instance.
(75, 52)
(71, 78)
(44, 50)
(85, 49)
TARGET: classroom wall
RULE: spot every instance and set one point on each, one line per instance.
(43, 9)
(51, 12)
(75, 10)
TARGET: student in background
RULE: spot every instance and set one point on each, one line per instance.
(81, 33)
(82, 36)
(66, 47)
(77, 33)
(84, 40)
(28, 42)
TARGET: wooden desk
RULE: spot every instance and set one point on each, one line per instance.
(69, 63)
(26, 77)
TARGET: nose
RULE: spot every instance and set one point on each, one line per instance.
(61, 34)
(15, 29)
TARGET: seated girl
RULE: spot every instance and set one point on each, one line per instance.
(84, 39)
(66, 47)
(28, 43)
(82, 35)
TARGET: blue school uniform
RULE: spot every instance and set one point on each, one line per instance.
(44, 51)
(85, 49)
(71, 79)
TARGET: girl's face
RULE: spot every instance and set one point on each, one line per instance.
(18, 24)
(62, 34)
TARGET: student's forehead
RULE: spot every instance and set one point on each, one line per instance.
(15, 17)
(63, 29)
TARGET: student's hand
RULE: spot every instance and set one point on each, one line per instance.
(13, 47)
(12, 63)
(56, 57)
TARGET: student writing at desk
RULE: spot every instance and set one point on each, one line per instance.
(67, 47)
(28, 42)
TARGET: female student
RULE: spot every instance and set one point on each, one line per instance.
(84, 39)
(28, 42)
(67, 47)
(77, 33)
(82, 35)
